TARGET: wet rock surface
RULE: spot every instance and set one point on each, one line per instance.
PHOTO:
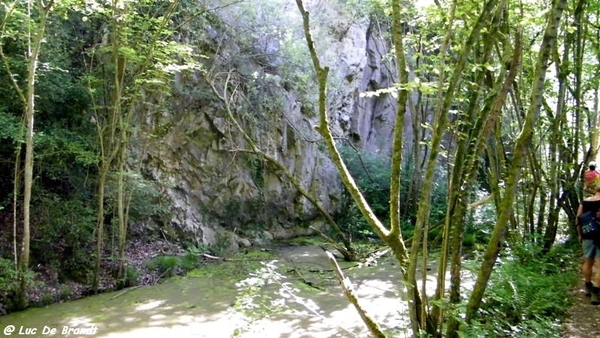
(273, 299)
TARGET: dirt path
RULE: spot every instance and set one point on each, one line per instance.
(584, 318)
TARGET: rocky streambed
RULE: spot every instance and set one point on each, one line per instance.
(288, 292)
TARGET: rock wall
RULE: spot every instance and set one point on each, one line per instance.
(224, 196)
(366, 120)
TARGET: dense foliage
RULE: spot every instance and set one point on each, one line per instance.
(72, 121)
(528, 294)
(372, 175)
(501, 104)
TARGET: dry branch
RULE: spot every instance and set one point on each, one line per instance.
(348, 252)
(348, 290)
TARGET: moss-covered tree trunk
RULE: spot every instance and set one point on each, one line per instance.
(479, 135)
(445, 97)
(522, 146)
(33, 53)
(108, 134)
(556, 162)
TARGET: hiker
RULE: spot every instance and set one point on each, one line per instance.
(591, 178)
(591, 252)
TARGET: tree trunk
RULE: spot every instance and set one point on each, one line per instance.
(28, 166)
(102, 174)
(521, 147)
(121, 210)
(444, 100)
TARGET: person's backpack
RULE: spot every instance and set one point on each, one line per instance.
(590, 229)
(596, 180)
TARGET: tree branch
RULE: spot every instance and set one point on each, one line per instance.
(348, 290)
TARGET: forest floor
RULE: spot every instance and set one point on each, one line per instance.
(47, 288)
(584, 318)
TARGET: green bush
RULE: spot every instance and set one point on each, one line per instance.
(469, 240)
(189, 261)
(9, 287)
(63, 238)
(9, 284)
(527, 294)
(372, 175)
(65, 292)
(47, 299)
(164, 264)
(172, 265)
(130, 279)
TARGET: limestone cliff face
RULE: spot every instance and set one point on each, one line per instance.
(364, 65)
(223, 195)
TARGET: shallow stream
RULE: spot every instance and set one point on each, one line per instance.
(294, 294)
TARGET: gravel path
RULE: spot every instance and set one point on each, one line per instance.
(584, 318)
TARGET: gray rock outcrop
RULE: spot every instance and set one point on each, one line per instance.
(224, 196)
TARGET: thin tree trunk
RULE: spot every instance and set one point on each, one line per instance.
(555, 139)
(348, 290)
(121, 210)
(16, 189)
(445, 97)
(454, 213)
(17, 171)
(24, 97)
(102, 174)
(401, 66)
(521, 147)
(28, 166)
(485, 122)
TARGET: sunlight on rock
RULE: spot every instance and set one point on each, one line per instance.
(158, 316)
(158, 323)
(148, 332)
(347, 317)
(80, 321)
(366, 288)
(186, 319)
(266, 328)
(149, 305)
(468, 279)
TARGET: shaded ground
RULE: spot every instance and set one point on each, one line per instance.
(584, 318)
(293, 296)
(48, 289)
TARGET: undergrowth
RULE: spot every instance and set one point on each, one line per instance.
(528, 294)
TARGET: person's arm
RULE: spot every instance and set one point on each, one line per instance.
(577, 225)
